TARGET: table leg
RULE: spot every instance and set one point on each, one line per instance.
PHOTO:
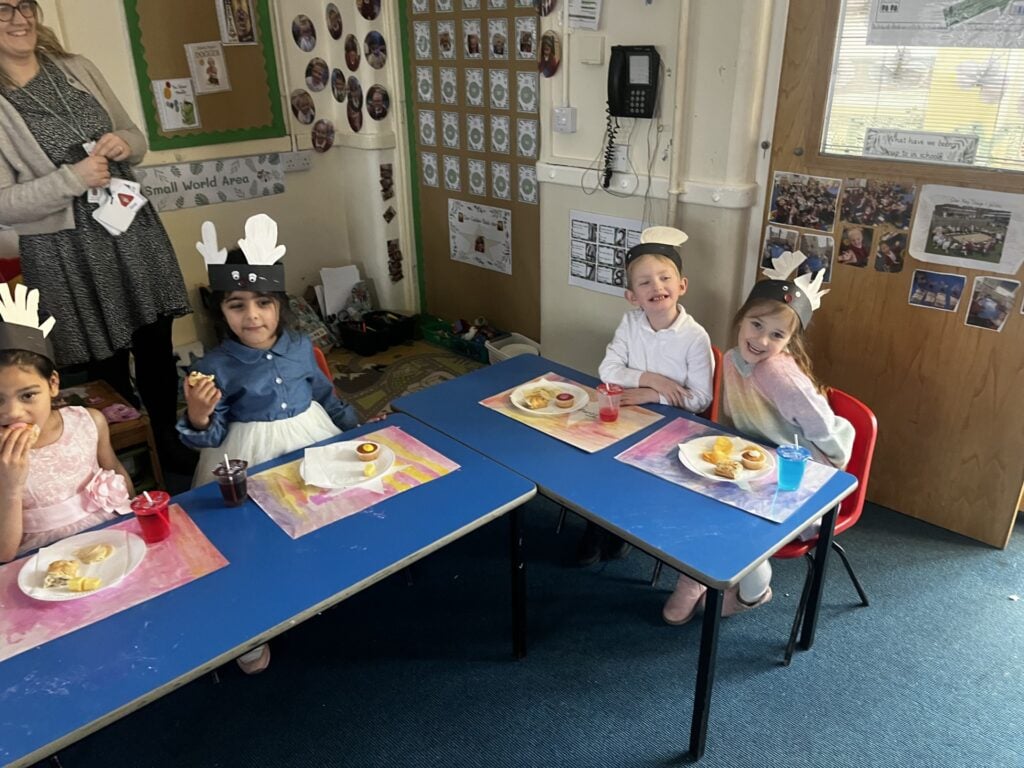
(821, 552)
(705, 672)
(518, 564)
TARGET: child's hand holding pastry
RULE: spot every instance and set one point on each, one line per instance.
(16, 440)
(202, 396)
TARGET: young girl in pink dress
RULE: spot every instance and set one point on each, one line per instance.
(58, 471)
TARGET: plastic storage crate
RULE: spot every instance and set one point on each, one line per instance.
(438, 331)
(510, 345)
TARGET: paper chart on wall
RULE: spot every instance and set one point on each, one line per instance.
(982, 24)
(597, 250)
(480, 235)
(176, 104)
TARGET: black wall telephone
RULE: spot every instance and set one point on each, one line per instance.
(632, 92)
(633, 80)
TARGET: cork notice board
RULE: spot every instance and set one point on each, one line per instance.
(160, 30)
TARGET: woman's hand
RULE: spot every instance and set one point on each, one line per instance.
(112, 147)
(15, 445)
(202, 398)
(94, 171)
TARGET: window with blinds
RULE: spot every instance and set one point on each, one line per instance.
(959, 106)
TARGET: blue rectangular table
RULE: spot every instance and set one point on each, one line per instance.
(111, 668)
(711, 541)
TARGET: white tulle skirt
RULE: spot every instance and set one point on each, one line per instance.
(259, 441)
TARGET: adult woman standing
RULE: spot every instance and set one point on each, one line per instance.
(110, 294)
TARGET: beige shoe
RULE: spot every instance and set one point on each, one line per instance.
(732, 604)
(683, 604)
(255, 661)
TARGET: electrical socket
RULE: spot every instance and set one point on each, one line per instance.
(297, 161)
(564, 120)
(620, 158)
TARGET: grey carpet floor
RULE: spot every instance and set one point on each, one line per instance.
(929, 675)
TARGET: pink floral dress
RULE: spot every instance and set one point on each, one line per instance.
(66, 491)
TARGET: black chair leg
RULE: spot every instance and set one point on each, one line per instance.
(656, 574)
(561, 520)
(853, 577)
(805, 593)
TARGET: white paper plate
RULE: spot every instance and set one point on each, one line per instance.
(338, 466)
(690, 455)
(129, 551)
(519, 394)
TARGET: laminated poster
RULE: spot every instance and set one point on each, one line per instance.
(597, 248)
(480, 235)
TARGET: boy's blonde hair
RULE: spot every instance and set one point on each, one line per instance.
(46, 43)
(658, 256)
(797, 346)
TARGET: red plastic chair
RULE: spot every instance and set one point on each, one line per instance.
(321, 362)
(866, 427)
(711, 414)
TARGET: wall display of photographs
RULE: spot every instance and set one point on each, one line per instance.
(526, 38)
(472, 48)
(450, 130)
(208, 68)
(449, 85)
(969, 228)
(501, 181)
(804, 201)
(303, 107)
(597, 250)
(936, 290)
(992, 302)
(500, 134)
(527, 184)
(477, 177)
(526, 138)
(890, 252)
(375, 49)
(304, 32)
(339, 86)
(474, 87)
(873, 202)
(323, 135)
(855, 245)
(428, 169)
(318, 74)
(526, 91)
(475, 133)
(421, 36)
(498, 79)
(425, 84)
(446, 39)
(428, 127)
(480, 235)
(497, 38)
(777, 240)
(334, 23)
(818, 250)
(452, 174)
(237, 22)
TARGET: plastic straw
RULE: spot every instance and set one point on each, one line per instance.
(148, 497)
(227, 464)
(796, 440)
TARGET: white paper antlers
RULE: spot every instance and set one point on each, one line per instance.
(208, 247)
(23, 308)
(786, 264)
(260, 241)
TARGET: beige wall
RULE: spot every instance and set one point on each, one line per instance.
(329, 216)
(721, 116)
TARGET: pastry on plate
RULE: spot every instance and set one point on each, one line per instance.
(564, 400)
(729, 469)
(59, 573)
(538, 398)
(720, 452)
(367, 451)
(95, 553)
(753, 458)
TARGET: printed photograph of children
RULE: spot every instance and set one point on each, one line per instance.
(377, 102)
(890, 254)
(804, 201)
(936, 290)
(302, 106)
(818, 250)
(318, 74)
(304, 33)
(368, 9)
(352, 53)
(854, 246)
(333, 21)
(991, 302)
(323, 135)
(339, 85)
(968, 232)
(777, 240)
(872, 201)
(355, 104)
(376, 50)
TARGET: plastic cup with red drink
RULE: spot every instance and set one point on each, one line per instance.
(608, 397)
(231, 479)
(154, 518)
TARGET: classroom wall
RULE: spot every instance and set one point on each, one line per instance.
(721, 113)
(322, 217)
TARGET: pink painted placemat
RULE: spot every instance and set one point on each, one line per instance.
(659, 455)
(581, 429)
(300, 509)
(184, 556)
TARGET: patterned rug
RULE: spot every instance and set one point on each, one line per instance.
(371, 383)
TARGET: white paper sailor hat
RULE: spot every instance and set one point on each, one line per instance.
(661, 241)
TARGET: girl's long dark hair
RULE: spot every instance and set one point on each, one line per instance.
(797, 347)
(23, 358)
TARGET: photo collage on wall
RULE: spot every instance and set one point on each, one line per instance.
(344, 70)
(476, 97)
(873, 223)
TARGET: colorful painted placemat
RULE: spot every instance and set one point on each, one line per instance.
(300, 509)
(659, 455)
(581, 429)
(184, 556)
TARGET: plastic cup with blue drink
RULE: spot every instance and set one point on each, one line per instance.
(792, 460)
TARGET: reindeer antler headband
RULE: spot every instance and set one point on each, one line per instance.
(803, 293)
(21, 327)
(261, 272)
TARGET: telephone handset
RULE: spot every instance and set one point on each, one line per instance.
(633, 80)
